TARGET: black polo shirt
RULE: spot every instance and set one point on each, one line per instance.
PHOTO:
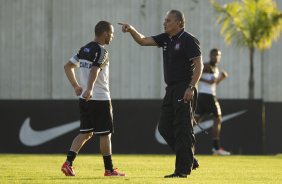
(178, 53)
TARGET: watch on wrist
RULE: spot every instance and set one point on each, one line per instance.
(191, 86)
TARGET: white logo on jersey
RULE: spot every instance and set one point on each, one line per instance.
(85, 64)
(177, 46)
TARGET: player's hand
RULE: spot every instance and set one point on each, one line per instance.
(125, 27)
(87, 95)
(78, 90)
(188, 95)
(224, 74)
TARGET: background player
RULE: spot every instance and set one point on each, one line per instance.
(207, 101)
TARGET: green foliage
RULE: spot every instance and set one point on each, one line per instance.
(140, 169)
(250, 23)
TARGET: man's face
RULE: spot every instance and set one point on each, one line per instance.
(109, 36)
(215, 57)
(171, 24)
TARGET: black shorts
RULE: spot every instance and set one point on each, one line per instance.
(96, 116)
(207, 104)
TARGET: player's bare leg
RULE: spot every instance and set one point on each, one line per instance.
(216, 128)
(217, 150)
(79, 141)
(77, 144)
(106, 151)
(106, 144)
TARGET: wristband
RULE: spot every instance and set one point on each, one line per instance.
(191, 86)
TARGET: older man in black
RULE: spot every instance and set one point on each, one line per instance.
(182, 69)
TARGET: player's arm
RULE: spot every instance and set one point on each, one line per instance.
(138, 37)
(94, 71)
(222, 76)
(69, 71)
(198, 63)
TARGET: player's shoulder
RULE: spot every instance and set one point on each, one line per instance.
(208, 68)
(162, 36)
(190, 37)
(91, 47)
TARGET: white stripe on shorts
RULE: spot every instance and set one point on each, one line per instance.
(85, 130)
(102, 132)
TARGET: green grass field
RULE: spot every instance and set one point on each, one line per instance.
(32, 168)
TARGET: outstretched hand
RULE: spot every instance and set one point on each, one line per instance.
(224, 74)
(125, 27)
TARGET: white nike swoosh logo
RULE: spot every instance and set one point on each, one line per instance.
(205, 125)
(30, 137)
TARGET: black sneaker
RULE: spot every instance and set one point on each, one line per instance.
(176, 175)
(195, 164)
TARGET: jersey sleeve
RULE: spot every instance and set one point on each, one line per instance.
(100, 56)
(92, 53)
(75, 60)
(159, 39)
(194, 47)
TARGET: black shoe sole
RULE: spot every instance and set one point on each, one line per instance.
(174, 175)
(196, 164)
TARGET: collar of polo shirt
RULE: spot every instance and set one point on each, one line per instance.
(175, 37)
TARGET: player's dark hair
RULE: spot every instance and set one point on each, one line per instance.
(179, 16)
(214, 50)
(101, 27)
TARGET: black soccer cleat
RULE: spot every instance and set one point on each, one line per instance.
(176, 175)
(196, 164)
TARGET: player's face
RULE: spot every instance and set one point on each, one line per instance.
(171, 24)
(215, 57)
(109, 36)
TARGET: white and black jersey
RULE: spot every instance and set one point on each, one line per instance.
(210, 72)
(93, 54)
(207, 101)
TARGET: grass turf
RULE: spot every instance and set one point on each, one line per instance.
(37, 168)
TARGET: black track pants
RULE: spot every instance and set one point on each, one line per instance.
(176, 127)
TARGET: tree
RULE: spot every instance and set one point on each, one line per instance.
(249, 23)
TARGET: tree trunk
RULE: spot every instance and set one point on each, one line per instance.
(251, 79)
(262, 56)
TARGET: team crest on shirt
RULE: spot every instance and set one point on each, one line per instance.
(177, 46)
(165, 46)
(86, 50)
